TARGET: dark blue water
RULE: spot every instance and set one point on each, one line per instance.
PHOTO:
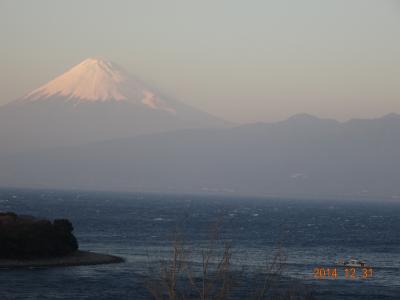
(141, 227)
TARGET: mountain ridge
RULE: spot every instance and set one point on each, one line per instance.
(344, 159)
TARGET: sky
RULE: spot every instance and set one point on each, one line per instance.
(244, 61)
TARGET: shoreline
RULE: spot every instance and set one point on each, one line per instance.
(78, 258)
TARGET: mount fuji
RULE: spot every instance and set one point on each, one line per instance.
(93, 101)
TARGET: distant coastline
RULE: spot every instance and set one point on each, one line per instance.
(78, 258)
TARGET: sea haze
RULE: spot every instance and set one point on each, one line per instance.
(303, 156)
(140, 227)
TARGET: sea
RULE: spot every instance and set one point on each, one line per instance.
(143, 228)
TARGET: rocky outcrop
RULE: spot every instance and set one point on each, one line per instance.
(25, 237)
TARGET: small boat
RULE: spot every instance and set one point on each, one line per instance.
(353, 263)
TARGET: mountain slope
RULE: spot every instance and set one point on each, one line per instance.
(303, 156)
(95, 100)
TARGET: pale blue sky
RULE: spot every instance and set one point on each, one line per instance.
(242, 60)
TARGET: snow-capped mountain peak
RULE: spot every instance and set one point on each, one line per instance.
(98, 80)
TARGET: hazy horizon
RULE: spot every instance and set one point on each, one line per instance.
(334, 59)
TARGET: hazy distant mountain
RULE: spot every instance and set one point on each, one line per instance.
(95, 100)
(301, 156)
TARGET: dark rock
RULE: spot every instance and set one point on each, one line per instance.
(27, 238)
